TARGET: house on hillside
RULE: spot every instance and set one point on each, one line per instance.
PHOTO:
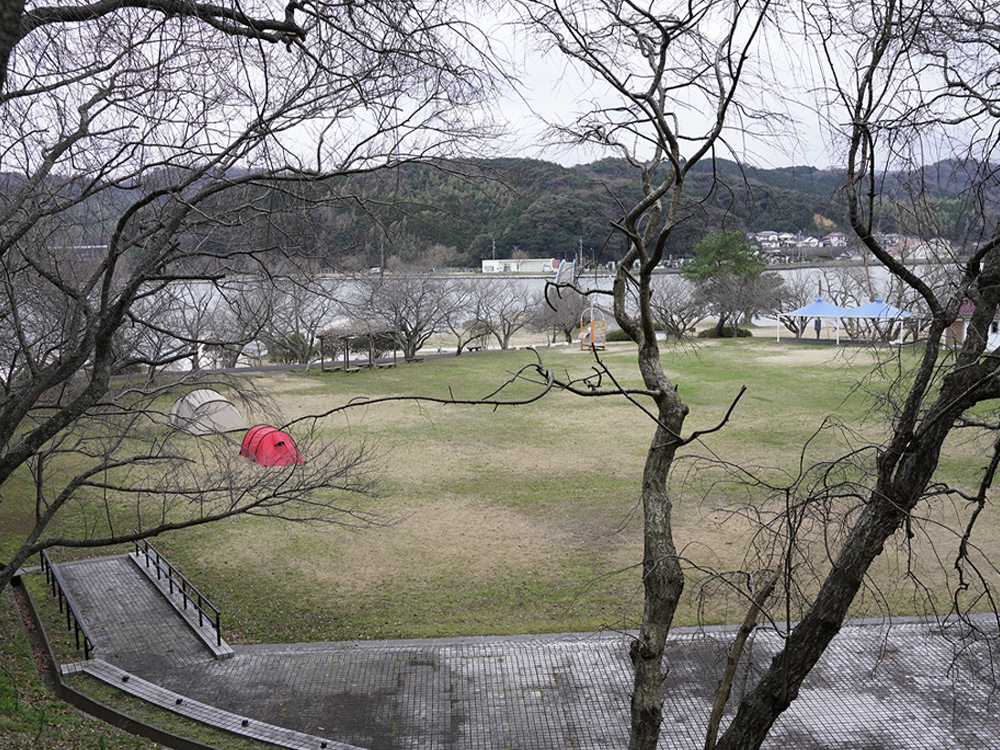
(807, 241)
(768, 240)
(936, 250)
(520, 265)
(891, 241)
(954, 336)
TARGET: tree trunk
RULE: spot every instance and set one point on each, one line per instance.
(735, 654)
(904, 472)
(663, 583)
(662, 575)
(780, 685)
(10, 34)
(720, 327)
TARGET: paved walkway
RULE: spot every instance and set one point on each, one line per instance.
(913, 686)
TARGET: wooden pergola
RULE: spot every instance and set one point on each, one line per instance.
(343, 339)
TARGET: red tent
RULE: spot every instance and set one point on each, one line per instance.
(270, 446)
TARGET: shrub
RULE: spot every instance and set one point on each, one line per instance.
(727, 333)
(617, 335)
(290, 349)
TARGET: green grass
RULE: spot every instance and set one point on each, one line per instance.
(564, 471)
(30, 716)
(524, 519)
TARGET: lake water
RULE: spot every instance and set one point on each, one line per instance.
(861, 284)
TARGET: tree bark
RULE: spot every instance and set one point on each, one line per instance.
(663, 583)
(662, 574)
(10, 34)
(720, 326)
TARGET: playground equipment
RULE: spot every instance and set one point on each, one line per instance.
(566, 272)
(593, 329)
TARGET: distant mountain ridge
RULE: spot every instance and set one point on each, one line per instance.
(458, 213)
(541, 209)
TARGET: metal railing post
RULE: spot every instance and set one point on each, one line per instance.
(73, 620)
(187, 590)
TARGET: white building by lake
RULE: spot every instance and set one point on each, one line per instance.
(520, 265)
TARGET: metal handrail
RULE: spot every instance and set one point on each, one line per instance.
(188, 591)
(73, 621)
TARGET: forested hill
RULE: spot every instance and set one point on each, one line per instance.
(541, 209)
(456, 214)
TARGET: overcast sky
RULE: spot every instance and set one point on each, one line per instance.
(554, 91)
(555, 96)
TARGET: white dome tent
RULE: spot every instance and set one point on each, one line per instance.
(205, 411)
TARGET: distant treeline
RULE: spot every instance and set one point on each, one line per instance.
(455, 214)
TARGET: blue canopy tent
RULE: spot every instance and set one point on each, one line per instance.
(878, 310)
(818, 309)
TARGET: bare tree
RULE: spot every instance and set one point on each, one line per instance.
(144, 146)
(559, 311)
(909, 78)
(656, 61)
(172, 327)
(797, 293)
(464, 317)
(675, 306)
(302, 308)
(505, 307)
(152, 338)
(240, 311)
(415, 306)
(192, 308)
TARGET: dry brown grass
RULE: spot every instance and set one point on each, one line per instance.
(526, 519)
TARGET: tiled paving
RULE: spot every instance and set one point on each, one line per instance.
(914, 686)
(199, 620)
(130, 622)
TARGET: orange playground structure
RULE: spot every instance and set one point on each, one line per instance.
(593, 329)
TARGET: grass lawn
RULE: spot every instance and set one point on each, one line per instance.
(30, 716)
(525, 519)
